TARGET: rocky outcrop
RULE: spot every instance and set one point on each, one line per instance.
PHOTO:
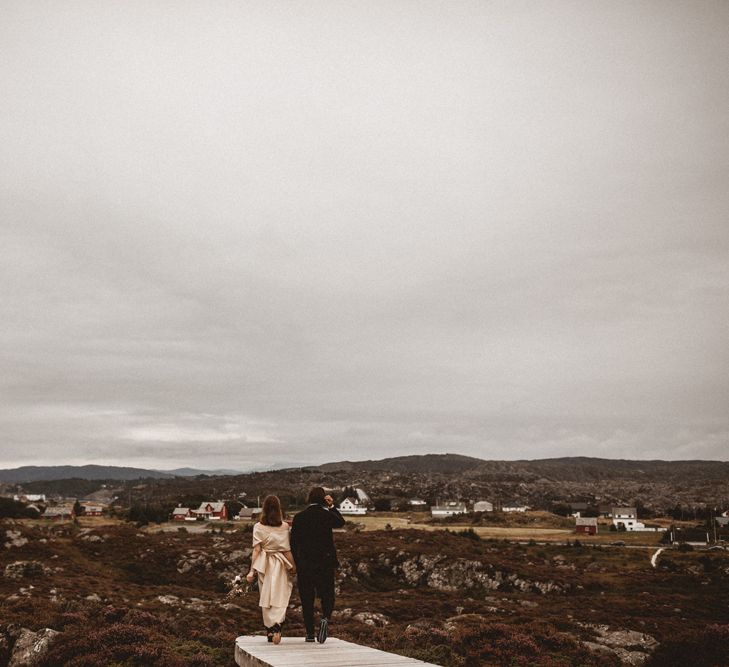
(30, 647)
(15, 539)
(24, 569)
(199, 560)
(631, 647)
(372, 618)
(446, 574)
(169, 599)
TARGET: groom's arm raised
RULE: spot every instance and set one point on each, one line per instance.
(336, 520)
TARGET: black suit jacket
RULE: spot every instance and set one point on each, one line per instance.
(312, 543)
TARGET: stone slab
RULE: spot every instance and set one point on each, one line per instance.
(256, 651)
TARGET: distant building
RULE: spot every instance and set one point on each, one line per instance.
(514, 506)
(30, 497)
(578, 509)
(448, 509)
(483, 506)
(352, 506)
(248, 514)
(417, 503)
(605, 511)
(93, 510)
(626, 518)
(182, 514)
(586, 525)
(59, 513)
(212, 511)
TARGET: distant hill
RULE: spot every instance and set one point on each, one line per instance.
(43, 473)
(194, 472)
(52, 473)
(444, 463)
(577, 468)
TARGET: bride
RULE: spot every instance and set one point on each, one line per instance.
(273, 563)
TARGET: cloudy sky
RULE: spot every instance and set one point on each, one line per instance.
(271, 233)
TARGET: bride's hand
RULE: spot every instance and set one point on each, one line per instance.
(249, 577)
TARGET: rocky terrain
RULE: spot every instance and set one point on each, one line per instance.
(112, 594)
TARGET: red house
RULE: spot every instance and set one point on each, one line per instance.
(212, 511)
(586, 525)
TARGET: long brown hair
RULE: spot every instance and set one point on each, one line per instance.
(271, 512)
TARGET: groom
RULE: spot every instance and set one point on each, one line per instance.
(312, 546)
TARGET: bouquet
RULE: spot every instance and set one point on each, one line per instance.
(240, 586)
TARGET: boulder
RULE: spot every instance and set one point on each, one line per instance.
(169, 599)
(372, 618)
(632, 648)
(24, 568)
(31, 647)
(15, 539)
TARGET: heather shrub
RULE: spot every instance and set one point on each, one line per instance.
(706, 648)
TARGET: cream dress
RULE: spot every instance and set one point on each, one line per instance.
(273, 571)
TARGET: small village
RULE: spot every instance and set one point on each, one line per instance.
(356, 504)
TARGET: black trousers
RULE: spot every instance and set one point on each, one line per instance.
(312, 585)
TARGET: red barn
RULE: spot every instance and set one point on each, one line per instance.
(586, 525)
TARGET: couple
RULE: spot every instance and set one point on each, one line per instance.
(306, 549)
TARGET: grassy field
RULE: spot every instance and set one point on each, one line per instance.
(539, 533)
(532, 526)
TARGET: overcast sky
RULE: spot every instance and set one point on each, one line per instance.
(272, 233)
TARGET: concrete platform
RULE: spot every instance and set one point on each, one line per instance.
(295, 652)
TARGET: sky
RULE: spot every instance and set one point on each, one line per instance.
(262, 234)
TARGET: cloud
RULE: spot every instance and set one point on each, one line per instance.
(170, 432)
(347, 233)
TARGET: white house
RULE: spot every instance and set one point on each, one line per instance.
(514, 506)
(483, 506)
(627, 518)
(352, 506)
(417, 503)
(30, 497)
(449, 509)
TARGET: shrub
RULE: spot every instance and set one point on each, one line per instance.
(469, 534)
(706, 648)
(12, 509)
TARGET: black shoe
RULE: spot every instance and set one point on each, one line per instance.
(309, 638)
(323, 627)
